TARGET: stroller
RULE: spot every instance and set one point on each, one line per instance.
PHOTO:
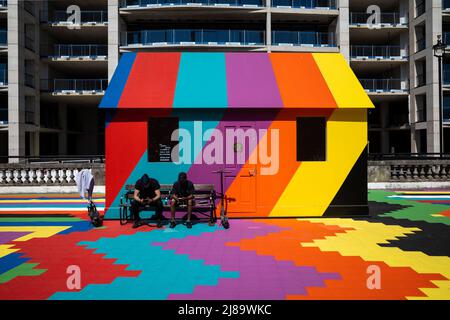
(85, 183)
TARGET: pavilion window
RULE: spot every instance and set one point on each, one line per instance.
(311, 139)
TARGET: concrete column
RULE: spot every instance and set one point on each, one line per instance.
(16, 99)
(343, 29)
(433, 29)
(114, 30)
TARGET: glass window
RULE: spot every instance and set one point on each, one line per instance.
(311, 139)
(160, 144)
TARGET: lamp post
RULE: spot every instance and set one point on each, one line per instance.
(439, 50)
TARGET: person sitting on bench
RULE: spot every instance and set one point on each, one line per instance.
(182, 194)
(147, 193)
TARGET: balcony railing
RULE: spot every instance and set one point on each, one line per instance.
(305, 4)
(421, 45)
(78, 85)
(80, 50)
(382, 85)
(85, 17)
(3, 37)
(386, 18)
(193, 37)
(377, 52)
(303, 38)
(420, 9)
(153, 3)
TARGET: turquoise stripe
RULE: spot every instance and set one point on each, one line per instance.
(201, 81)
(118, 81)
(167, 172)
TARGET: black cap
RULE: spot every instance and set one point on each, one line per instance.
(145, 180)
(182, 176)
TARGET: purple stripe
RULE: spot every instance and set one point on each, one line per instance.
(251, 81)
(202, 173)
(6, 237)
(262, 277)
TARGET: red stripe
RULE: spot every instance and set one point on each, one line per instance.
(152, 80)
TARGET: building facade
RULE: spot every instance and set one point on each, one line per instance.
(55, 62)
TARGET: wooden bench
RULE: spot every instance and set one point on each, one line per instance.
(205, 202)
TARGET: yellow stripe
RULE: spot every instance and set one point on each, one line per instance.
(342, 82)
(36, 232)
(365, 241)
(314, 185)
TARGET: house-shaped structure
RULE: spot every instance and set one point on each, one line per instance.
(289, 128)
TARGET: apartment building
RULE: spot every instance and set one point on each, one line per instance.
(55, 71)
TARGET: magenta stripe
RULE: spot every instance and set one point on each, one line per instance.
(251, 81)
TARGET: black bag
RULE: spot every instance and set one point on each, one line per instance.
(96, 219)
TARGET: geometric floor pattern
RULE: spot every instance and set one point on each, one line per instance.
(407, 238)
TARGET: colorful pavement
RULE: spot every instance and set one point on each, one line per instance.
(407, 238)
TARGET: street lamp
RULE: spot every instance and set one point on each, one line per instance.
(439, 51)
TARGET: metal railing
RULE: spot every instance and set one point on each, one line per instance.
(390, 18)
(303, 38)
(79, 85)
(382, 85)
(421, 80)
(29, 80)
(384, 52)
(420, 9)
(29, 43)
(421, 44)
(58, 16)
(193, 37)
(305, 4)
(150, 3)
(3, 37)
(80, 50)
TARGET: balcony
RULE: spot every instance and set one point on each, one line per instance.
(87, 18)
(303, 38)
(361, 52)
(387, 19)
(80, 52)
(75, 86)
(383, 86)
(139, 4)
(305, 4)
(193, 37)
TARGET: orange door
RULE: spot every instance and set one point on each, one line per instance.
(242, 177)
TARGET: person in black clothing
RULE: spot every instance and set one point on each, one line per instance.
(147, 193)
(182, 193)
